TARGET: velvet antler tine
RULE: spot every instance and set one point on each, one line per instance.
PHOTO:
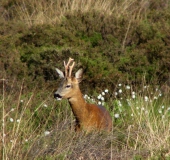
(66, 66)
(71, 68)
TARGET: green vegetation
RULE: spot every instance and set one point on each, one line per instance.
(121, 45)
(119, 41)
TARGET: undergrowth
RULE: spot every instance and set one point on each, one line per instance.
(35, 126)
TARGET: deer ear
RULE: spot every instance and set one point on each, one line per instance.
(60, 73)
(79, 75)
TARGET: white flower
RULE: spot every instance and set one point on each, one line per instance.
(146, 98)
(160, 111)
(26, 140)
(119, 103)
(11, 120)
(99, 96)
(133, 96)
(106, 90)
(45, 106)
(163, 107)
(46, 133)
(127, 87)
(12, 109)
(85, 96)
(18, 120)
(92, 100)
(133, 93)
(99, 103)
(102, 98)
(119, 84)
(155, 97)
(160, 94)
(116, 93)
(168, 108)
(137, 108)
(103, 103)
(21, 101)
(129, 102)
(142, 108)
(120, 91)
(116, 115)
(103, 93)
(132, 115)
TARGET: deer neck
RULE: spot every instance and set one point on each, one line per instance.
(78, 105)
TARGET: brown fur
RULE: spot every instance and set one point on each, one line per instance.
(89, 116)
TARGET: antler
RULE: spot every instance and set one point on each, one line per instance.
(71, 68)
(67, 67)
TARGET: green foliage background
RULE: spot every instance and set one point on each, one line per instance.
(110, 48)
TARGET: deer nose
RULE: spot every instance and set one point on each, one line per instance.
(57, 96)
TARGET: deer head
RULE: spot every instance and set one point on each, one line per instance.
(69, 85)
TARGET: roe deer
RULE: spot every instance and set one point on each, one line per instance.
(88, 116)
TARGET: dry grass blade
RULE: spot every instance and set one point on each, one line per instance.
(50, 12)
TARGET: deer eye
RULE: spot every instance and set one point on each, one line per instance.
(68, 86)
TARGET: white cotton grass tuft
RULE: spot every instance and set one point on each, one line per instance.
(127, 87)
(12, 109)
(85, 96)
(99, 96)
(103, 93)
(133, 96)
(160, 111)
(45, 105)
(120, 91)
(116, 115)
(146, 98)
(102, 98)
(11, 120)
(46, 133)
(133, 93)
(99, 103)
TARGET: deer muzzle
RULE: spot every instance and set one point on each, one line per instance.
(57, 96)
